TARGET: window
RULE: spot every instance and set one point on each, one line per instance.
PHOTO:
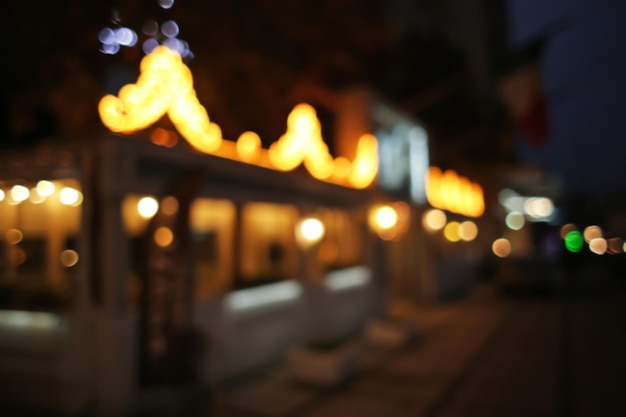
(212, 228)
(39, 228)
(268, 248)
(342, 245)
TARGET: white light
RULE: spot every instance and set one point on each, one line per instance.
(312, 229)
(19, 193)
(166, 4)
(598, 246)
(147, 207)
(45, 188)
(110, 49)
(69, 196)
(29, 319)
(264, 296)
(149, 45)
(1, 195)
(356, 276)
(386, 217)
(170, 29)
(107, 36)
(515, 220)
(125, 36)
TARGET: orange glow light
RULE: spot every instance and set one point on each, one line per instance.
(165, 87)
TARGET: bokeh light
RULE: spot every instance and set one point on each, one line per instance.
(309, 231)
(615, 245)
(515, 220)
(169, 206)
(163, 236)
(598, 246)
(147, 207)
(574, 241)
(434, 220)
(70, 196)
(166, 4)
(501, 247)
(45, 188)
(468, 230)
(566, 228)
(19, 193)
(592, 232)
(451, 231)
(170, 29)
(14, 236)
(386, 217)
(69, 258)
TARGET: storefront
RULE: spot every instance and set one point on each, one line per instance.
(125, 265)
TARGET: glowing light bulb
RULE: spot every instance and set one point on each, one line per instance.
(147, 207)
(19, 193)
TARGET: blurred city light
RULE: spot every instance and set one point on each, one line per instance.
(598, 246)
(449, 191)
(19, 193)
(249, 147)
(574, 241)
(615, 245)
(163, 236)
(501, 247)
(566, 228)
(147, 207)
(13, 236)
(515, 220)
(468, 230)
(45, 188)
(592, 232)
(451, 231)
(434, 220)
(70, 196)
(169, 206)
(69, 258)
(309, 231)
(2, 195)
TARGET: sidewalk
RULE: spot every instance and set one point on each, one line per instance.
(408, 381)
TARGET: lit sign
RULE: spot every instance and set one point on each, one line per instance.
(165, 86)
(449, 191)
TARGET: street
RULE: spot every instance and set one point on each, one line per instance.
(486, 355)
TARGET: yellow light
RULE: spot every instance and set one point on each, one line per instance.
(433, 187)
(163, 236)
(501, 247)
(147, 207)
(249, 147)
(35, 197)
(309, 231)
(14, 236)
(449, 190)
(1, 195)
(452, 232)
(434, 220)
(365, 165)
(386, 217)
(165, 87)
(169, 206)
(45, 188)
(468, 230)
(19, 193)
(70, 196)
(69, 258)
(592, 232)
(598, 246)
